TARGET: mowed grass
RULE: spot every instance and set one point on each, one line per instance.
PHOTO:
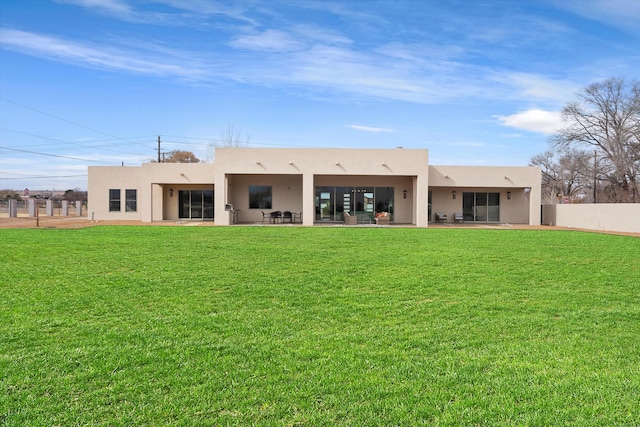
(283, 326)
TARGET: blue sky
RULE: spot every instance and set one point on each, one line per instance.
(94, 82)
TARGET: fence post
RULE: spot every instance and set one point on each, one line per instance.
(31, 203)
(65, 208)
(13, 208)
(78, 208)
(49, 204)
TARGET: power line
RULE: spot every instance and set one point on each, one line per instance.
(249, 143)
(68, 121)
(82, 144)
(55, 155)
(44, 177)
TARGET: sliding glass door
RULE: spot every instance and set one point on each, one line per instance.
(481, 207)
(195, 204)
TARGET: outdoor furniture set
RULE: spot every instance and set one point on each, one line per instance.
(279, 217)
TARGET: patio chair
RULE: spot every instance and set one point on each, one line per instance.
(458, 217)
(382, 218)
(350, 219)
(287, 216)
(441, 217)
(264, 216)
(275, 217)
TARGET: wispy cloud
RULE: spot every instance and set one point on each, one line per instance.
(536, 87)
(468, 144)
(269, 40)
(96, 56)
(191, 13)
(397, 71)
(112, 7)
(369, 128)
(546, 122)
(616, 13)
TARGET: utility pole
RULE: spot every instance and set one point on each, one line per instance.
(158, 148)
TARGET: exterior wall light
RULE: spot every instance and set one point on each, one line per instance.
(453, 194)
(404, 194)
(171, 192)
(508, 195)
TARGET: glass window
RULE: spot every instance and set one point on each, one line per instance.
(114, 200)
(384, 199)
(131, 201)
(493, 207)
(344, 202)
(259, 197)
(324, 203)
(364, 203)
(468, 206)
(481, 207)
(196, 204)
(207, 204)
(184, 204)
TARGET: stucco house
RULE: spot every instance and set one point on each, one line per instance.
(317, 186)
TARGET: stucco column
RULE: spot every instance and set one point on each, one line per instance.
(308, 199)
(421, 201)
(221, 198)
(32, 207)
(13, 208)
(535, 205)
(153, 211)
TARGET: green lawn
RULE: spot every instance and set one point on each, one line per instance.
(284, 326)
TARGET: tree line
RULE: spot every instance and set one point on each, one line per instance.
(595, 156)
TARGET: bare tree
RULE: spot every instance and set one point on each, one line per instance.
(566, 176)
(179, 156)
(606, 118)
(231, 137)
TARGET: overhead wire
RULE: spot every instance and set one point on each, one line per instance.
(83, 145)
(55, 155)
(69, 121)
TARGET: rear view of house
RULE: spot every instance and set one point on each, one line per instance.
(316, 186)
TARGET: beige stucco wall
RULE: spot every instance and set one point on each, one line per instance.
(523, 183)
(309, 165)
(623, 217)
(103, 178)
(152, 182)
